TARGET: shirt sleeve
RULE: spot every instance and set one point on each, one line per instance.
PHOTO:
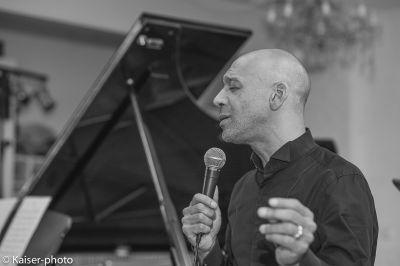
(347, 227)
(218, 257)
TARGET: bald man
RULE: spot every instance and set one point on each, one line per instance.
(301, 205)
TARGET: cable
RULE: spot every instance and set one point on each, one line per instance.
(196, 261)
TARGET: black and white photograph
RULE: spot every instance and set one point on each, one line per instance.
(199, 133)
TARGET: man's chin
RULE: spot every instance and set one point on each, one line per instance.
(226, 137)
(222, 138)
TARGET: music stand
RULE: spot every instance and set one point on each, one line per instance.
(48, 236)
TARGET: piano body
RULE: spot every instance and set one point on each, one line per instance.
(97, 171)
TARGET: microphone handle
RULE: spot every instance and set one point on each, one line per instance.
(210, 181)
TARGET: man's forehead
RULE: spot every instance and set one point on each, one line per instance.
(235, 69)
(238, 69)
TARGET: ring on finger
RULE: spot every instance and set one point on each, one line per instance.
(299, 232)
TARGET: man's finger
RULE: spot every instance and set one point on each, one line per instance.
(289, 229)
(282, 215)
(197, 218)
(199, 208)
(190, 229)
(293, 204)
(201, 198)
(287, 242)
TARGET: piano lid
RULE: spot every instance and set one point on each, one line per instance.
(97, 171)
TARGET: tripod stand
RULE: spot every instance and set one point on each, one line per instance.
(12, 97)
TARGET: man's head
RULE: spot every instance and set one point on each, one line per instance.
(264, 91)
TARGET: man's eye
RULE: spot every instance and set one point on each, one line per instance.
(233, 88)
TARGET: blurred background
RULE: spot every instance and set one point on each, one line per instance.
(349, 47)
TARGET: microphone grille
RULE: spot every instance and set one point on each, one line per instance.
(214, 158)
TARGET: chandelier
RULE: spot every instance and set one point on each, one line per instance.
(320, 32)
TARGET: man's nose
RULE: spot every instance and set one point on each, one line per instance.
(220, 99)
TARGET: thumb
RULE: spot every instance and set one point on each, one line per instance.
(216, 195)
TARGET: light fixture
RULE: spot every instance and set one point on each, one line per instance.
(321, 32)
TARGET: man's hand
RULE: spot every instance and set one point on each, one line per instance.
(291, 228)
(202, 216)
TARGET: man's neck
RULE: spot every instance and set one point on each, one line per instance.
(274, 139)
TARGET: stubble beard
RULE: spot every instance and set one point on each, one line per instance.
(231, 134)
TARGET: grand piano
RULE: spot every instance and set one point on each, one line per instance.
(131, 157)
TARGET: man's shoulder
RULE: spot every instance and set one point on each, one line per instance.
(336, 165)
(325, 170)
(335, 180)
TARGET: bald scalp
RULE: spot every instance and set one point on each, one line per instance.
(275, 65)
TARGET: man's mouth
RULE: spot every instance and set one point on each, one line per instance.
(222, 117)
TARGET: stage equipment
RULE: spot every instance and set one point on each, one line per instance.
(13, 97)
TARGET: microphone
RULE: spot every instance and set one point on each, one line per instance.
(214, 159)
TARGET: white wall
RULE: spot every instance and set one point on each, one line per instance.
(71, 66)
(375, 132)
(361, 112)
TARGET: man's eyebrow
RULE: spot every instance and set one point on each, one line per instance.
(228, 80)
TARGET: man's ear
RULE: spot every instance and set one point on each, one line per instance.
(278, 96)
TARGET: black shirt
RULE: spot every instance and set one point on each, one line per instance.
(331, 187)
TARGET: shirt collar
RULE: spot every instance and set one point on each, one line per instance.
(289, 152)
